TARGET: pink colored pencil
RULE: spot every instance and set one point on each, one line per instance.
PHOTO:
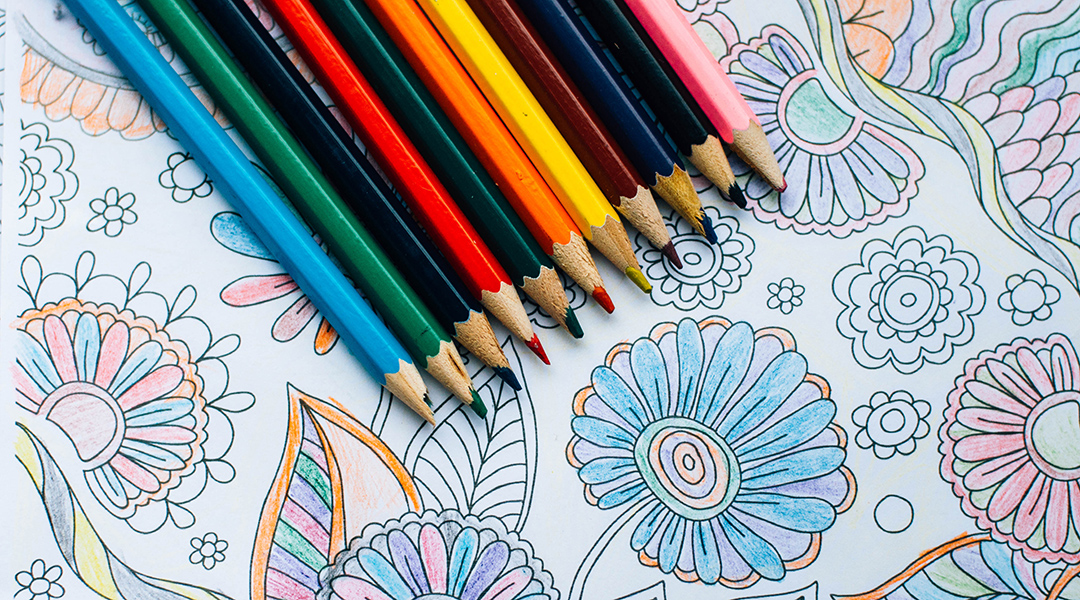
(710, 87)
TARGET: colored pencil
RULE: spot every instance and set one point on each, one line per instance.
(449, 156)
(716, 95)
(408, 171)
(602, 83)
(310, 192)
(356, 180)
(263, 210)
(535, 132)
(491, 142)
(576, 120)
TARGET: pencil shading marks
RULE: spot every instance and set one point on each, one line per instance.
(785, 295)
(1028, 297)
(66, 73)
(47, 182)
(128, 386)
(709, 270)
(871, 28)
(653, 592)
(112, 213)
(970, 567)
(185, 178)
(714, 27)
(574, 294)
(229, 229)
(1009, 445)
(86, 554)
(39, 583)
(891, 423)
(719, 444)
(844, 174)
(482, 467)
(893, 514)
(208, 550)
(908, 302)
(335, 478)
(443, 555)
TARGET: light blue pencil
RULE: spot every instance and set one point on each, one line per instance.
(264, 211)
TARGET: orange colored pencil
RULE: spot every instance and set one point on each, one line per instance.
(431, 203)
(491, 141)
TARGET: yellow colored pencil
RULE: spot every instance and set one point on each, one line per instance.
(533, 129)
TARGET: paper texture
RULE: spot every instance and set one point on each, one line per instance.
(869, 387)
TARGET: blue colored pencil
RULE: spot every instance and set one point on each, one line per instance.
(264, 211)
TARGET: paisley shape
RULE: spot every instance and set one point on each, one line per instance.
(335, 477)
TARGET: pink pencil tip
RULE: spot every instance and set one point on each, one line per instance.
(601, 296)
(537, 349)
(783, 186)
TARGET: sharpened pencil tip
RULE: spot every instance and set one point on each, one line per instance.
(638, 278)
(572, 324)
(737, 195)
(601, 296)
(427, 414)
(669, 252)
(508, 376)
(537, 349)
(706, 224)
(783, 185)
(427, 400)
(477, 405)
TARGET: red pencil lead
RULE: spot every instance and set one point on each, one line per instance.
(537, 349)
(601, 296)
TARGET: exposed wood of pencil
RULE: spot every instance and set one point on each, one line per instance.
(447, 365)
(308, 189)
(709, 158)
(517, 321)
(679, 192)
(542, 290)
(492, 142)
(636, 55)
(355, 178)
(445, 150)
(409, 387)
(410, 174)
(533, 129)
(574, 118)
(710, 87)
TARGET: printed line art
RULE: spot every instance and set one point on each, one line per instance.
(1028, 297)
(112, 212)
(47, 182)
(185, 178)
(39, 583)
(894, 514)
(208, 550)
(785, 295)
(891, 423)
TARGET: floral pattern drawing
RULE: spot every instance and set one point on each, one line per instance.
(437, 555)
(891, 423)
(48, 181)
(142, 399)
(184, 178)
(709, 270)
(231, 232)
(1028, 297)
(208, 550)
(1010, 445)
(844, 173)
(785, 295)
(112, 212)
(908, 302)
(719, 436)
(39, 583)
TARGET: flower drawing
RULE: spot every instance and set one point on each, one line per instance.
(709, 270)
(843, 173)
(47, 182)
(185, 178)
(719, 436)
(128, 387)
(1028, 297)
(785, 295)
(1010, 445)
(908, 302)
(209, 550)
(112, 212)
(231, 231)
(437, 555)
(891, 423)
(39, 583)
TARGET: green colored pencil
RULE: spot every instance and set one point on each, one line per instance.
(313, 196)
(448, 154)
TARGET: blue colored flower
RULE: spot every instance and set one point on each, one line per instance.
(719, 436)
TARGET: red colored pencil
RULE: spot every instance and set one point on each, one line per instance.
(430, 202)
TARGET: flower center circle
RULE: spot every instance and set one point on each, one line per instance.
(688, 466)
(893, 420)
(700, 261)
(892, 423)
(39, 586)
(1052, 435)
(90, 417)
(1028, 297)
(785, 295)
(909, 301)
(113, 213)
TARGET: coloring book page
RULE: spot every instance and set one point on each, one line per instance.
(868, 388)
